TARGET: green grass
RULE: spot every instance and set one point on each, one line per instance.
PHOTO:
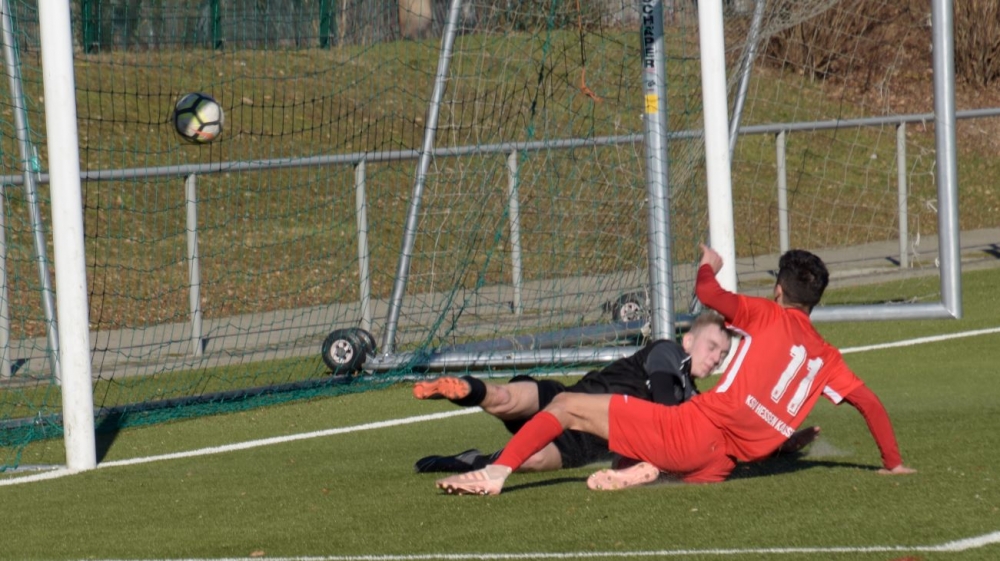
(355, 494)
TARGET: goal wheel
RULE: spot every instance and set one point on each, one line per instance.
(343, 352)
(367, 340)
(629, 307)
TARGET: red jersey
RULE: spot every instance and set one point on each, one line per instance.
(778, 371)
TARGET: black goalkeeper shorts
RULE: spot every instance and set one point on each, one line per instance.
(580, 448)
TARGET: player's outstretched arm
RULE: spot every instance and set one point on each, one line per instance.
(871, 408)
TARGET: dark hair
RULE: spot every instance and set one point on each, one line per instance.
(803, 278)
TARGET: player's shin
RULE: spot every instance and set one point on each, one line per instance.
(542, 429)
(533, 436)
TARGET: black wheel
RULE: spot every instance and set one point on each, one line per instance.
(367, 339)
(629, 307)
(343, 352)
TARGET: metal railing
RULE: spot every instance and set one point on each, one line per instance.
(510, 151)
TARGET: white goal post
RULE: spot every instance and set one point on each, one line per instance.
(722, 229)
(72, 309)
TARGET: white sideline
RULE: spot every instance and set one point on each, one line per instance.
(921, 340)
(947, 547)
(54, 474)
(62, 472)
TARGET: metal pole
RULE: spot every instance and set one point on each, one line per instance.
(14, 77)
(413, 215)
(352, 158)
(782, 192)
(363, 253)
(904, 234)
(29, 164)
(506, 359)
(717, 162)
(746, 67)
(654, 85)
(514, 209)
(41, 256)
(194, 264)
(68, 233)
(5, 350)
(947, 167)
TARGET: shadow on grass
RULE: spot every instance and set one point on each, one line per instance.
(789, 463)
(777, 465)
(106, 433)
(545, 483)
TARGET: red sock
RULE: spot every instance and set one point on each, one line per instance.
(542, 429)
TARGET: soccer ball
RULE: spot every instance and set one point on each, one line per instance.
(198, 118)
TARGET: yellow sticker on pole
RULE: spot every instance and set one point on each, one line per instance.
(652, 103)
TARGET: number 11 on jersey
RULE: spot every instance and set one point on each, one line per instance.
(792, 370)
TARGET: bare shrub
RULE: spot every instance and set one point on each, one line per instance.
(977, 41)
(860, 39)
(866, 41)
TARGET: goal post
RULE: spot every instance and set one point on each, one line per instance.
(946, 180)
(655, 131)
(718, 179)
(68, 236)
(716, 133)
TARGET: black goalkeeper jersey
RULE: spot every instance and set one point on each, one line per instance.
(659, 372)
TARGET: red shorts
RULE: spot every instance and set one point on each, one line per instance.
(679, 440)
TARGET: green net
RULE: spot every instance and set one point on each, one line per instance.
(310, 90)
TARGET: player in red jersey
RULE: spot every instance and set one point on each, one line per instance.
(780, 369)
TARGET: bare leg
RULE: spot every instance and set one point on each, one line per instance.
(582, 412)
(516, 400)
(589, 413)
(512, 401)
(546, 459)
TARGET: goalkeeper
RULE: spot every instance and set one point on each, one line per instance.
(662, 372)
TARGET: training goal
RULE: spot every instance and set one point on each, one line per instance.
(405, 188)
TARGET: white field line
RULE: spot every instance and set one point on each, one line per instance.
(245, 445)
(62, 472)
(947, 547)
(921, 340)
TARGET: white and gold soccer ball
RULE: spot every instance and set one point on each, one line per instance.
(198, 118)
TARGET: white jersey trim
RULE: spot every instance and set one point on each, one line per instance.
(734, 367)
(832, 395)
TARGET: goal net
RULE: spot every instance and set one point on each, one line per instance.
(218, 272)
